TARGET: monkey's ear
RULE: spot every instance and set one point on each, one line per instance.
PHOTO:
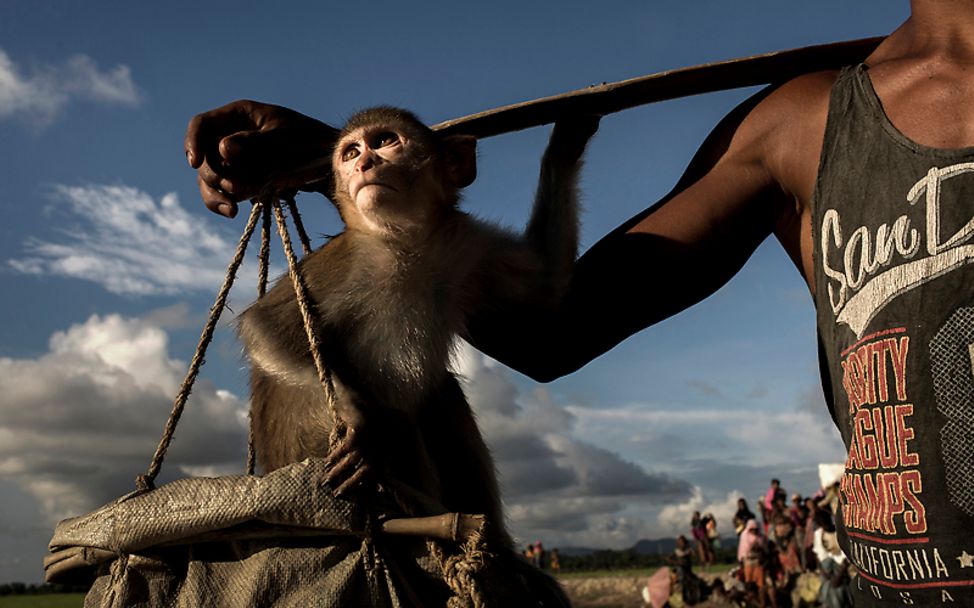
(460, 156)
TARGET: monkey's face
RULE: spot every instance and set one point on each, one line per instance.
(387, 180)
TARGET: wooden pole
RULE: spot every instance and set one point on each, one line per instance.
(607, 98)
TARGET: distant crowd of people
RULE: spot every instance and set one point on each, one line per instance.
(793, 551)
(542, 559)
(787, 554)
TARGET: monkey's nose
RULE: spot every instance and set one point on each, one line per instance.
(365, 161)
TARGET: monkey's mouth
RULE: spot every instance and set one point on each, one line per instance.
(365, 185)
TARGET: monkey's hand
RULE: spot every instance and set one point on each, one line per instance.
(350, 463)
(569, 138)
(240, 148)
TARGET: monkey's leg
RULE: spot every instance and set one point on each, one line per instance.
(462, 459)
(290, 422)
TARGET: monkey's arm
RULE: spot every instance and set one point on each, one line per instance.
(531, 272)
(665, 259)
(353, 461)
(552, 231)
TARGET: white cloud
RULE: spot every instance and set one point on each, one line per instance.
(677, 516)
(126, 241)
(562, 487)
(556, 485)
(799, 437)
(80, 422)
(40, 97)
(174, 316)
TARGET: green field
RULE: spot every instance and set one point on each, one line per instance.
(66, 600)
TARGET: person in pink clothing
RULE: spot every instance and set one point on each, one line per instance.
(752, 554)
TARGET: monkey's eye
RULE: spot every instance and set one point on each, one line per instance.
(349, 153)
(386, 138)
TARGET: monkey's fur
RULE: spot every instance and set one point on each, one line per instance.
(392, 292)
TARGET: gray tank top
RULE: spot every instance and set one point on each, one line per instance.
(893, 230)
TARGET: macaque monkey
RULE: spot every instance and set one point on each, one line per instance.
(392, 292)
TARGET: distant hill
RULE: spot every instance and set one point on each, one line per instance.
(662, 546)
(658, 546)
(665, 546)
(576, 551)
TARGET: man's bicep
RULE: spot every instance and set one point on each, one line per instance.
(663, 260)
(626, 282)
(722, 208)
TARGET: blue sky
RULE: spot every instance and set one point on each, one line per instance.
(109, 262)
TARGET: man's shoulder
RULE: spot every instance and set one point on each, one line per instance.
(786, 129)
(805, 96)
(767, 126)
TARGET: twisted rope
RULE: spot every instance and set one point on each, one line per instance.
(304, 304)
(146, 481)
(292, 208)
(263, 268)
(460, 571)
(265, 249)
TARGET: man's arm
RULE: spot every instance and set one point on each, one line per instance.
(660, 262)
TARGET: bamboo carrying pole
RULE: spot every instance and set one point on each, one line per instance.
(612, 97)
(607, 98)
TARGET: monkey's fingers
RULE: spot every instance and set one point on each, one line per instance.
(571, 135)
(341, 468)
(360, 476)
(352, 443)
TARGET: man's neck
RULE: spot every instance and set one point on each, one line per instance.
(942, 28)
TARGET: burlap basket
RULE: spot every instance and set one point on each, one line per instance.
(283, 540)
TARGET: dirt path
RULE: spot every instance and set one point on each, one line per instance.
(615, 591)
(606, 591)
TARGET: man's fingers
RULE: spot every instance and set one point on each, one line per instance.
(250, 147)
(231, 183)
(205, 129)
(218, 181)
(216, 201)
(191, 142)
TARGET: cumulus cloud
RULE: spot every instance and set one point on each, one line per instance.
(129, 243)
(175, 316)
(677, 516)
(557, 485)
(753, 438)
(78, 423)
(40, 96)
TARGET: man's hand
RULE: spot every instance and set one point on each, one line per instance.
(239, 148)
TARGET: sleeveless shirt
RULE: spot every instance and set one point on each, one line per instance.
(893, 231)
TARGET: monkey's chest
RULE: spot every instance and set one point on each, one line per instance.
(400, 344)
